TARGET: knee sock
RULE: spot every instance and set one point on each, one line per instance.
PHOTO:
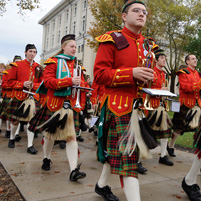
(72, 154)
(17, 130)
(47, 147)
(194, 171)
(13, 130)
(30, 137)
(8, 125)
(105, 175)
(163, 142)
(173, 139)
(131, 188)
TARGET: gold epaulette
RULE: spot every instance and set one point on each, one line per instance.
(83, 68)
(14, 64)
(5, 72)
(184, 70)
(105, 38)
(50, 61)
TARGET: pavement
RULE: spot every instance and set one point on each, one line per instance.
(160, 183)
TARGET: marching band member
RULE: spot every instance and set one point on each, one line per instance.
(19, 79)
(160, 121)
(56, 119)
(190, 102)
(116, 67)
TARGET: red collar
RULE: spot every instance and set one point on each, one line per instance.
(131, 34)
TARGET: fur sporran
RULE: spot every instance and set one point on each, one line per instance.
(132, 136)
(60, 126)
(192, 117)
(159, 119)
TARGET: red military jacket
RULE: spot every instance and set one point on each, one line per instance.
(53, 102)
(158, 82)
(97, 93)
(114, 68)
(18, 74)
(6, 91)
(189, 87)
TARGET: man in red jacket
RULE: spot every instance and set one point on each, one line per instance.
(18, 80)
(117, 66)
(189, 90)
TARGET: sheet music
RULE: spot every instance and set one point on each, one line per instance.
(158, 92)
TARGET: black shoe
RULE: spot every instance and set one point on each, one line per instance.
(83, 126)
(166, 161)
(17, 138)
(35, 135)
(11, 143)
(96, 133)
(80, 139)
(62, 144)
(21, 127)
(193, 191)
(56, 142)
(91, 129)
(46, 164)
(31, 150)
(171, 151)
(76, 174)
(7, 134)
(106, 193)
(141, 169)
(0, 130)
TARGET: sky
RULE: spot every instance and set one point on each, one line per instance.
(17, 31)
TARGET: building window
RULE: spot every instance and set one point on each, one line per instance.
(66, 30)
(48, 28)
(84, 4)
(47, 43)
(83, 24)
(53, 40)
(82, 48)
(67, 13)
(59, 20)
(75, 9)
(53, 25)
(78, 49)
(59, 35)
(74, 25)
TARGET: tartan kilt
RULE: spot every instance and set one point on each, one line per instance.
(3, 108)
(43, 115)
(120, 164)
(178, 120)
(14, 104)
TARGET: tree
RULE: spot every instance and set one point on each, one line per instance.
(170, 22)
(21, 4)
(194, 45)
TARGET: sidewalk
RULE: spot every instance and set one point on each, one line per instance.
(161, 183)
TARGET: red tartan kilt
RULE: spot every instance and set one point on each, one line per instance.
(178, 119)
(115, 127)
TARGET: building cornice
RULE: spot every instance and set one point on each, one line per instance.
(54, 11)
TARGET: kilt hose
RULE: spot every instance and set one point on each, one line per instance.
(113, 129)
(14, 104)
(44, 114)
(3, 108)
(178, 120)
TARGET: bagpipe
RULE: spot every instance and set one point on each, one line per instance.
(27, 109)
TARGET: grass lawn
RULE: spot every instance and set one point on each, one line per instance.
(185, 140)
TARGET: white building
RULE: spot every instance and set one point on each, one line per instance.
(68, 17)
